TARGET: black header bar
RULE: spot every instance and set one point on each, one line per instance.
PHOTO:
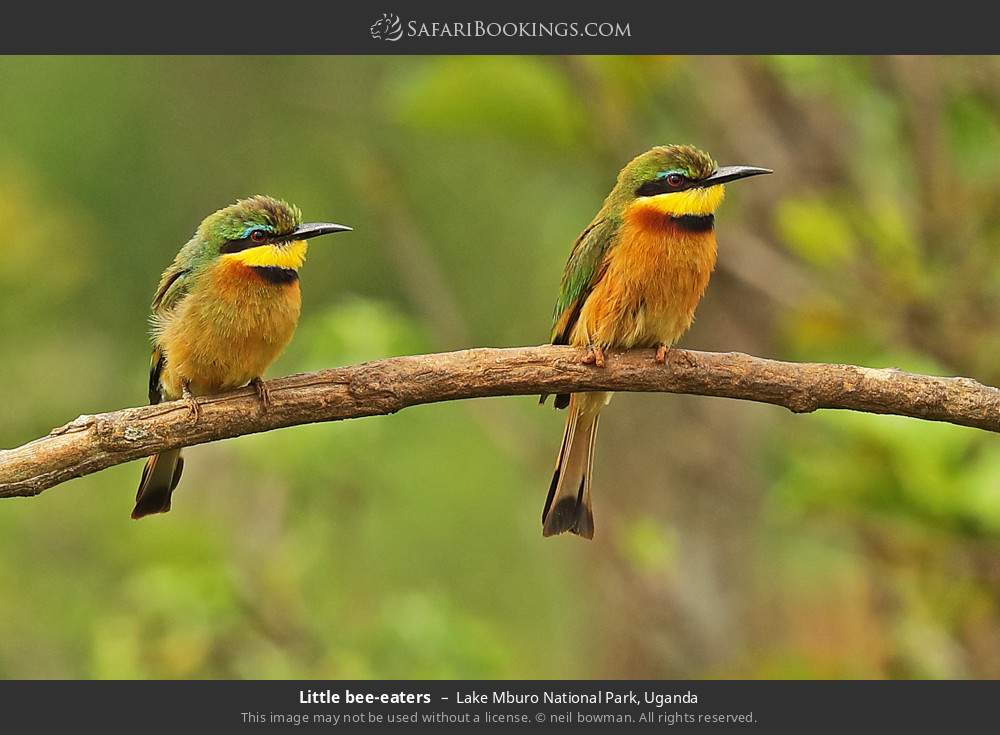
(454, 27)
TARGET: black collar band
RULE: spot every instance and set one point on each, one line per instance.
(694, 222)
(276, 275)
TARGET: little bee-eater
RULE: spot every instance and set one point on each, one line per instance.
(224, 310)
(633, 279)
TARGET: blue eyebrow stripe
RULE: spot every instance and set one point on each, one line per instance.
(665, 174)
(250, 228)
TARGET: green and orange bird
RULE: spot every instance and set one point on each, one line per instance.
(633, 279)
(224, 310)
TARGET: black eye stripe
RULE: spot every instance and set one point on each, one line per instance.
(235, 246)
(244, 243)
(662, 186)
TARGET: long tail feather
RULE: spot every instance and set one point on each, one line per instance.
(568, 506)
(159, 478)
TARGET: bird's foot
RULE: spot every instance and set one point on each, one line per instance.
(192, 403)
(263, 393)
(662, 351)
(594, 356)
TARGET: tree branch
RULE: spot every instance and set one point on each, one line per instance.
(93, 443)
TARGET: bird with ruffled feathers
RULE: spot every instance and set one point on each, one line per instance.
(633, 279)
(224, 310)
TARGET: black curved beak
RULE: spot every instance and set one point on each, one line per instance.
(315, 229)
(730, 173)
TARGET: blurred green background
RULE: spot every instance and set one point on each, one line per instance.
(733, 540)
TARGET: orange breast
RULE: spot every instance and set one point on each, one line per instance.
(655, 276)
(228, 330)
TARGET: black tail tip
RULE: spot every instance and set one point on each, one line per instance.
(150, 501)
(569, 515)
(146, 507)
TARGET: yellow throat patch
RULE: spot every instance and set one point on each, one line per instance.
(290, 255)
(691, 201)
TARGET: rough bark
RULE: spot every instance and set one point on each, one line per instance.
(95, 442)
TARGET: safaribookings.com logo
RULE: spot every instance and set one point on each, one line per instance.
(387, 28)
(390, 28)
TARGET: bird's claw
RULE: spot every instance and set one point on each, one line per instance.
(192, 404)
(263, 393)
(594, 356)
(661, 354)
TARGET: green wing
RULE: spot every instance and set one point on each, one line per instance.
(174, 284)
(584, 269)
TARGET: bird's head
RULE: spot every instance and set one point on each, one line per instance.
(261, 231)
(679, 181)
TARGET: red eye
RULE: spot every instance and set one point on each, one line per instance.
(258, 236)
(675, 180)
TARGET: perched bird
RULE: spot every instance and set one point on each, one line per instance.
(633, 279)
(224, 310)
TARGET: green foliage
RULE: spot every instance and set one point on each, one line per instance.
(732, 539)
(517, 97)
(816, 231)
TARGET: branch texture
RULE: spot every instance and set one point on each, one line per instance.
(92, 443)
